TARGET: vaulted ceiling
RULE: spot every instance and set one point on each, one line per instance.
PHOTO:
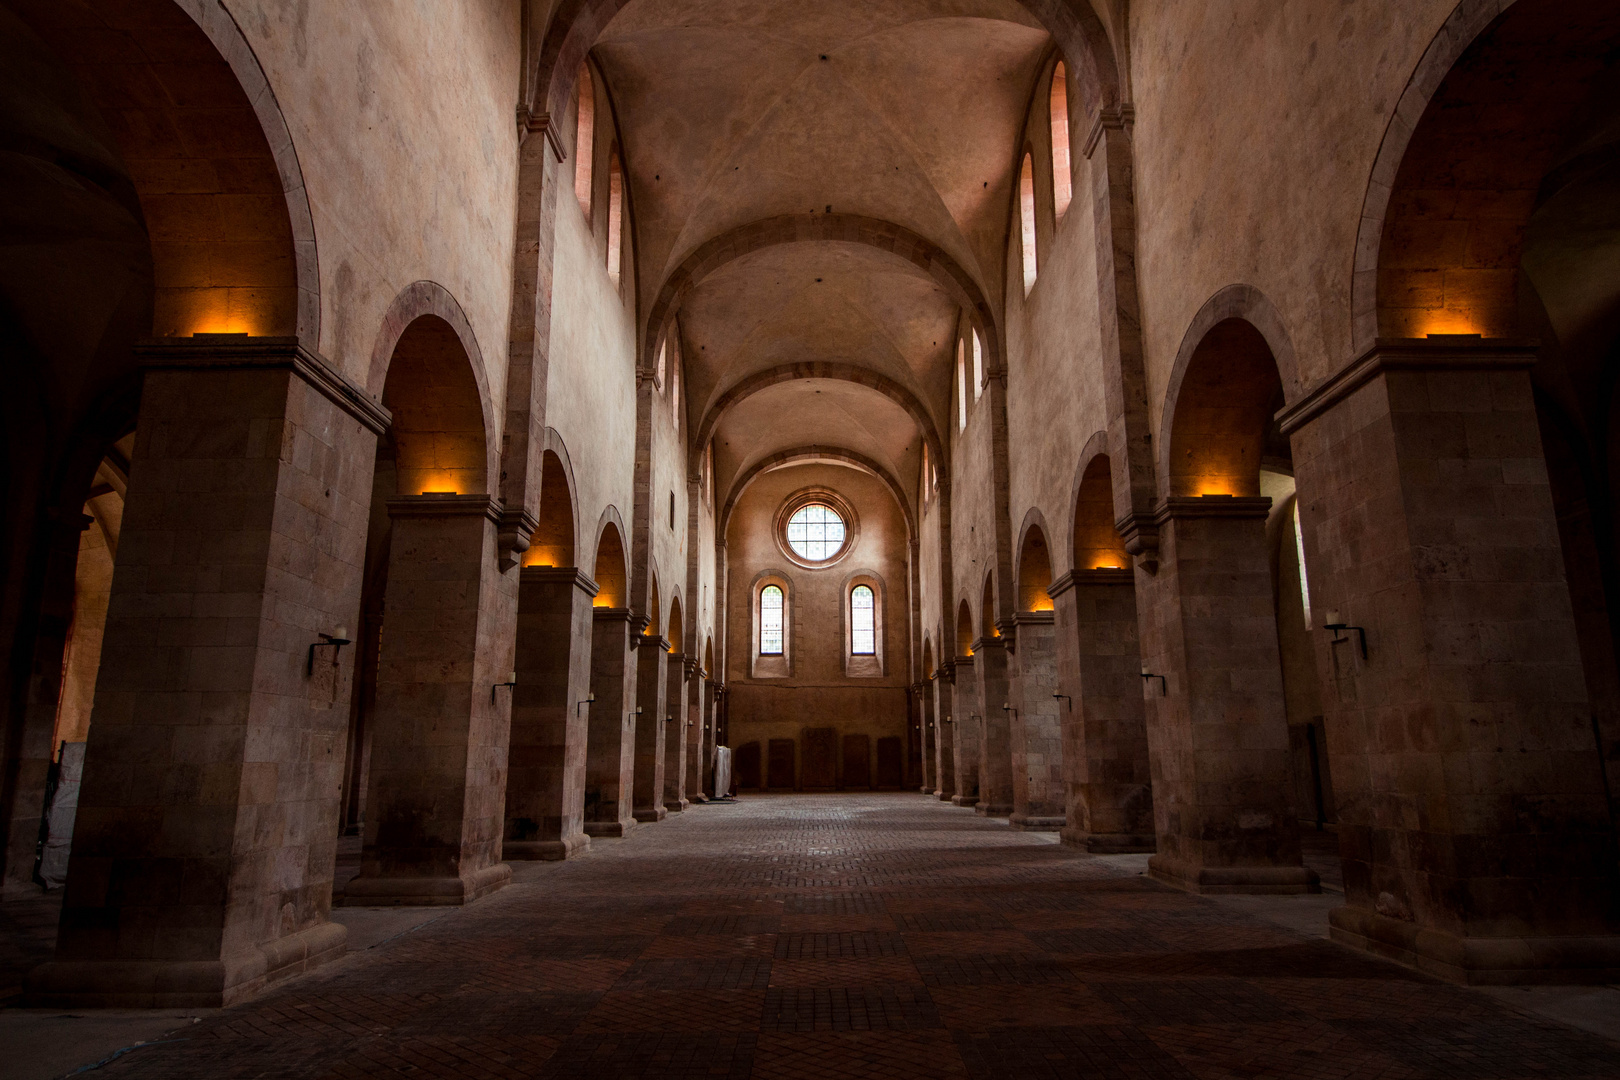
(900, 111)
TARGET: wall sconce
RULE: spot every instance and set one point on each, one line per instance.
(1006, 707)
(670, 719)
(337, 641)
(1066, 698)
(589, 698)
(948, 720)
(1336, 623)
(1164, 686)
(511, 680)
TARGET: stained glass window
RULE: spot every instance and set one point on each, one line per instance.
(862, 622)
(815, 532)
(770, 621)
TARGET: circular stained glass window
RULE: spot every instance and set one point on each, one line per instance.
(816, 532)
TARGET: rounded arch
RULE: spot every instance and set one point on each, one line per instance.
(655, 605)
(927, 656)
(1465, 161)
(814, 369)
(1230, 307)
(611, 568)
(439, 435)
(1094, 542)
(964, 628)
(675, 630)
(556, 539)
(576, 24)
(708, 655)
(423, 300)
(814, 453)
(1034, 568)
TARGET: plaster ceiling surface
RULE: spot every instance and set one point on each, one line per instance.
(796, 303)
(803, 413)
(906, 111)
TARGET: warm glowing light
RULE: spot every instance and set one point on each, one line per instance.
(602, 601)
(439, 484)
(1450, 324)
(1214, 485)
(1042, 603)
(1101, 565)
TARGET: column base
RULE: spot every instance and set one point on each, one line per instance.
(609, 828)
(1247, 880)
(992, 809)
(1478, 961)
(698, 798)
(647, 815)
(1033, 823)
(963, 800)
(181, 984)
(545, 850)
(425, 891)
(1109, 843)
(675, 806)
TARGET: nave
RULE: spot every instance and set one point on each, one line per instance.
(861, 936)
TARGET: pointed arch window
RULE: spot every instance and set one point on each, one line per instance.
(863, 621)
(1061, 176)
(772, 607)
(584, 140)
(1026, 215)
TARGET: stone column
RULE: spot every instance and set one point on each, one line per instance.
(1222, 786)
(1035, 733)
(674, 733)
(610, 747)
(697, 722)
(995, 752)
(207, 825)
(651, 672)
(711, 735)
(435, 811)
(1105, 747)
(944, 736)
(923, 693)
(1473, 824)
(545, 785)
(966, 727)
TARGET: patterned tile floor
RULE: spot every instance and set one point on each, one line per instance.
(860, 936)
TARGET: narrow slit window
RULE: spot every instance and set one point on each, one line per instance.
(1026, 213)
(584, 140)
(658, 372)
(863, 621)
(978, 364)
(770, 620)
(961, 390)
(615, 242)
(1304, 584)
(1061, 191)
(675, 396)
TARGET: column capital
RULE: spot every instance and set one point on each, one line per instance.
(226, 352)
(653, 641)
(512, 536)
(1140, 531)
(561, 575)
(422, 506)
(1438, 352)
(1179, 507)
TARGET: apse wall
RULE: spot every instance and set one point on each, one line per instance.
(414, 100)
(817, 695)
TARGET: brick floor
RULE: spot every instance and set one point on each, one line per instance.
(880, 936)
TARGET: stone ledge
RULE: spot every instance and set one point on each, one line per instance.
(609, 828)
(651, 815)
(1478, 961)
(182, 984)
(425, 891)
(1245, 880)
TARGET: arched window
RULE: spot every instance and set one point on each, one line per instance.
(584, 140)
(1026, 213)
(658, 372)
(862, 621)
(978, 364)
(961, 389)
(675, 394)
(615, 241)
(1061, 181)
(771, 607)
